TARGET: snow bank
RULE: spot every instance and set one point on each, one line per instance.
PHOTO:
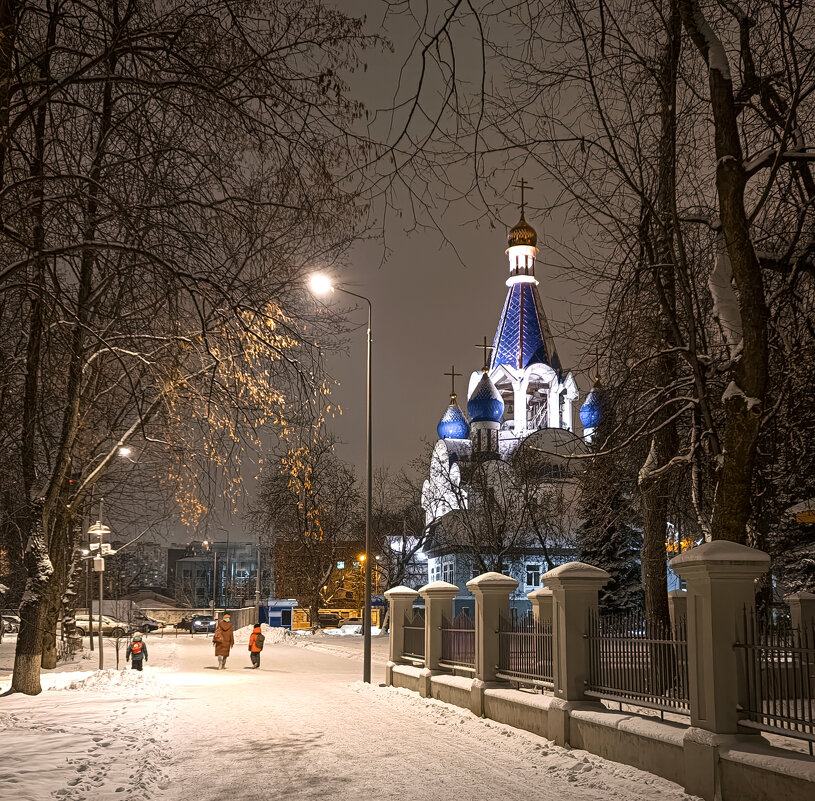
(344, 631)
(121, 682)
(272, 634)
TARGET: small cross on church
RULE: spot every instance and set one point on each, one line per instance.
(486, 348)
(453, 375)
(522, 185)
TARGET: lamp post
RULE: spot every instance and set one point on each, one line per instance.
(99, 530)
(321, 285)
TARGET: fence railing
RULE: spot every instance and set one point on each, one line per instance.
(414, 635)
(525, 650)
(458, 641)
(779, 674)
(635, 663)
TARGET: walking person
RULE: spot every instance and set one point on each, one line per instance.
(256, 640)
(136, 652)
(223, 640)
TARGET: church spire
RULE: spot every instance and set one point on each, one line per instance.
(523, 335)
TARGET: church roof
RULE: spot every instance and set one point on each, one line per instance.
(453, 424)
(523, 335)
(591, 411)
(522, 234)
(485, 404)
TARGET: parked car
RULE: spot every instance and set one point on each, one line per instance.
(146, 624)
(110, 626)
(11, 623)
(203, 623)
(351, 621)
(329, 621)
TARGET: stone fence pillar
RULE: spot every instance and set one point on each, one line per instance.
(721, 581)
(575, 587)
(491, 591)
(541, 601)
(677, 606)
(802, 609)
(401, 601)
(438, 603)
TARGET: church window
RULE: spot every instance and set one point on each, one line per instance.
(533, 575)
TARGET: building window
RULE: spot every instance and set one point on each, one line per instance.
(448, 572)
(533, 575)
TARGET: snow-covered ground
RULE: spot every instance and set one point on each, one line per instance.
(302, 727)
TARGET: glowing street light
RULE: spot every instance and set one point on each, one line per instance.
(322, 285)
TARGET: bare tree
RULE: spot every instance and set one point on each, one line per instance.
(308, 506)
(168, 173)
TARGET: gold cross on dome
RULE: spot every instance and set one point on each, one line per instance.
(486, 348)
(453, 375)
(522, 185)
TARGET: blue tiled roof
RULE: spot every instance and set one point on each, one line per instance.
(591, 411)
(523, 335)
(485, 403)
(453, 424)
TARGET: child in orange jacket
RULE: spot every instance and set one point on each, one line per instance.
(256, 640)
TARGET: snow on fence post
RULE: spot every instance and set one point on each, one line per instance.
(400, 600)
(541, 600)
(721, 584)
(575, 595)
(438, 603)
(802, 609)
(491, 591)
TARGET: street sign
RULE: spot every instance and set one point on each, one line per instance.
(106, 547)
(807, 516)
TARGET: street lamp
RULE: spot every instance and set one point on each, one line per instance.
(99, 530)
(322, 285)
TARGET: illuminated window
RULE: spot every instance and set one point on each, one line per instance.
(340, 565)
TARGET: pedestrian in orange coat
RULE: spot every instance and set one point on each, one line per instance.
(256, 640)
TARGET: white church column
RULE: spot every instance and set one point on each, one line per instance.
(519, 390)
(567, 413)
(553, 405)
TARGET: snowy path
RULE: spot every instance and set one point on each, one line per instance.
(302, 727)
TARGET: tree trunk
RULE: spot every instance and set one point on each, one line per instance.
(656, 490)
(748, 371)
(69, 597)
(26, 676)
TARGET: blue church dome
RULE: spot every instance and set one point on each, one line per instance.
(485, 404)
(591, 411)
(453, 424)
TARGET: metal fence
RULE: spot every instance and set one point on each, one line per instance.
(414, 634)
(458, 641)
(637, 663)
(779, 674)
(525, 650)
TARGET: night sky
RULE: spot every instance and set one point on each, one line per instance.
(431, 304)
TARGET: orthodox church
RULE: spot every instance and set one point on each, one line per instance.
(522, 397)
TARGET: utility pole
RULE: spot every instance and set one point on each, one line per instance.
(257, 589)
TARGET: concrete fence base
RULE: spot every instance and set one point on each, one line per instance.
(733, 768)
